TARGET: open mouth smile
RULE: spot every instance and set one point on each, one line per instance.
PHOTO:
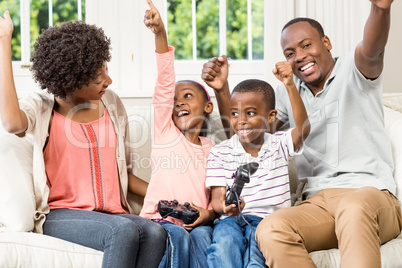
(307, 68)
(244, 131)
(182, 113)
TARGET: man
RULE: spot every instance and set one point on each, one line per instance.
(347, 162)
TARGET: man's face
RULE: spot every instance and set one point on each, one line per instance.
(308, 53)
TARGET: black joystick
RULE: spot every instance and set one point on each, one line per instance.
(241, 176)
(174, 209)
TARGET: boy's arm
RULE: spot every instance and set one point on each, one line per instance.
(153, 21)
(218, 194)
(283, 71)
(215, 73)
(369, 54)
(13, 119)
(216, 198)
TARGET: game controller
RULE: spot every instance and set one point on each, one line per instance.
(174, 209)
(241, 176)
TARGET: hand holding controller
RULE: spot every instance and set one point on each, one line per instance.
(241, 176)
(174, 209)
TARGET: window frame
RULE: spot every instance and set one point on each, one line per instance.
(133, 65)
(22, 75)
(248, 66)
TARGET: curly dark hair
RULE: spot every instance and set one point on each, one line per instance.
(69, 56)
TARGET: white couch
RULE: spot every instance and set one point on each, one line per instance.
(19, 247)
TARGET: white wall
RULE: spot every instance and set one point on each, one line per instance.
(393, 52)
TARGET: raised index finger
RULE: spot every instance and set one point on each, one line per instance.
(6, 14)
(150, 4)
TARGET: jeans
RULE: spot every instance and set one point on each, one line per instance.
(126, 240)
(186, 248)
(232, 244)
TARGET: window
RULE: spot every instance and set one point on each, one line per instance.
(46, 13)
(198, 29)
(14, 7)
(215, 27)
(29, 18)
(202, 29)
(248, 31)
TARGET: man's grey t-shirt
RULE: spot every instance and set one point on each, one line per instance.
(347, 146)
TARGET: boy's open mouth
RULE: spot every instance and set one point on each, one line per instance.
(244, 131)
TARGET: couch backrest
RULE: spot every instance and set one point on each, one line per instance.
(17, 200)
(140, 131)
(393, 126)
(140, 116)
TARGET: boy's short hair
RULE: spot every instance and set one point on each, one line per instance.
(69, 56)
(315, 24)
(260, 86)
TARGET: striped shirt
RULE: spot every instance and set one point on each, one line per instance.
(268, 189)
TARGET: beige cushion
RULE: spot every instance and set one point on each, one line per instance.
(390, 256)
(42, 251)
(393, 101)
(393, 125)
(17, 200)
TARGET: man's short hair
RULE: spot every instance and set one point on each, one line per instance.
(315, 24)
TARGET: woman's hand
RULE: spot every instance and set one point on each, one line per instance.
(6, 26)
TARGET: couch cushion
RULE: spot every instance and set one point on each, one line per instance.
(17, 200)
(42, 251)
(139, 118)
(393, 126)
(393, 101)
(390, 255)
